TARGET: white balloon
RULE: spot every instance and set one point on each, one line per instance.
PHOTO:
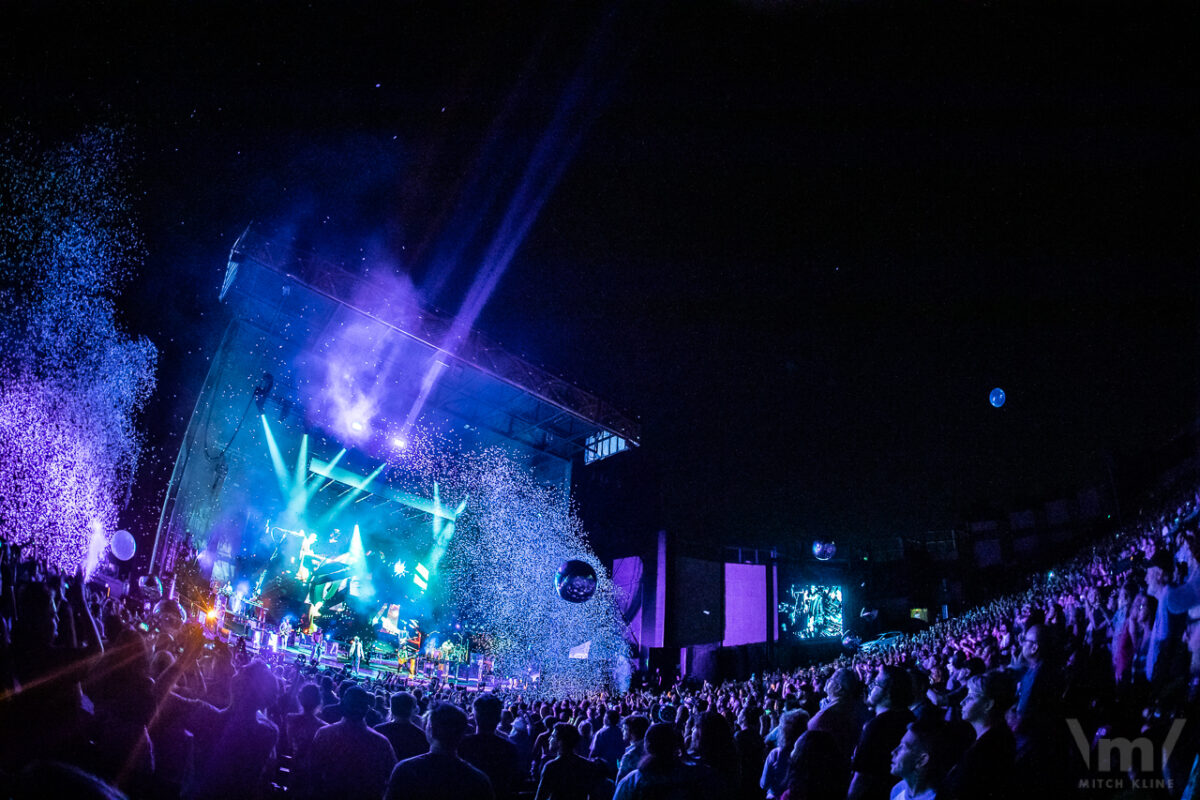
(123, 545)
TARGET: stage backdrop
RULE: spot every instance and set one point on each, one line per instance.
(745, 604)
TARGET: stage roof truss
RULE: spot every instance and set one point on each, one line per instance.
(522, 402)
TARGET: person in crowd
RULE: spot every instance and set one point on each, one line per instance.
(716, 752)
(303, 726)
(889, 695)
(662, 773)
(845, 714)
(489, 751)
(406, 737)
(349, 759)
(609, 742)
(920, 761)
(301, 729)
(567, 776)
(751, 752)
(634, 729)
(1132, 645)
(234, 748)
(524, 743)
(985, 769)
(774, 774)
(440, 773)
(817, 768)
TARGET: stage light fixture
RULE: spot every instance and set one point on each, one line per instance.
(356, 426)
(263, 391)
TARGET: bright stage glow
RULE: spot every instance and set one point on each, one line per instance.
(495, 563)
(399, 443)
(357, 426)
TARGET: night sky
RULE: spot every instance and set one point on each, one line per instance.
(802, 242)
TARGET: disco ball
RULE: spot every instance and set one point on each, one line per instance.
(150, 585)
(824, 549)
(575, 581)
(169, 614)
(997, 397)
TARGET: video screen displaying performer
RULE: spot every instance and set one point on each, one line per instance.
(809, 611)
(399, 632)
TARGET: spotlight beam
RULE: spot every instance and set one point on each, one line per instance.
(281, 472)
(301, 462)
(343, 476)
(578, 105)
(356, 489)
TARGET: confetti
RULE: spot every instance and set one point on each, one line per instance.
(71, 380)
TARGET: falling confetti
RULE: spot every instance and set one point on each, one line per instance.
(71, 380)
(500, 568)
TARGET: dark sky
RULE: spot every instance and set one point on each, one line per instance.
(801, 241)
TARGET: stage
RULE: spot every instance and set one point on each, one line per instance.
(361, 465)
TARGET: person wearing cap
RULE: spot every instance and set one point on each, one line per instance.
(348, 758)
(524, 743)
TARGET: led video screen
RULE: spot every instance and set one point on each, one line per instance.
(809, 611)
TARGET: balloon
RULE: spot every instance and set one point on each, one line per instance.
(123, 545)
(996, 398)
(575, 581)
(824, 549)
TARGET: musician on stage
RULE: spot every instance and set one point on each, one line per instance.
(356, 653)
(314, 654)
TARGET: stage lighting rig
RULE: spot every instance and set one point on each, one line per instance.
(263, 391)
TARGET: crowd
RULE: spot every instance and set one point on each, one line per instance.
(1084, 683)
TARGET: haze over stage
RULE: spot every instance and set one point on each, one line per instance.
(355, 362)
(352, 459)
